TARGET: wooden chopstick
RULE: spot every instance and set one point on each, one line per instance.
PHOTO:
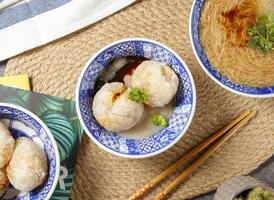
(188, 156)
(202, 158)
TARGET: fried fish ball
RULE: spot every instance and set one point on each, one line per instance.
(6, 145)
(28, 166)
(4, 181)
(158, 80)
(113, 110)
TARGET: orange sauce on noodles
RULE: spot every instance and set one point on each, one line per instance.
(237, 21)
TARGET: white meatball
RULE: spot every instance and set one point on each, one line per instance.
(4, 182)
(159, 80)
(113, 110)
(28, 166)
(6, 145)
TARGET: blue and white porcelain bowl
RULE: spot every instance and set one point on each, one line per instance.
(194, 23)
(23, 123)
(184, 107)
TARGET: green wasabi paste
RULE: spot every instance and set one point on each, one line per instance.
(257, 194)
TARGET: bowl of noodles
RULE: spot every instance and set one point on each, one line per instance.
(234, 44)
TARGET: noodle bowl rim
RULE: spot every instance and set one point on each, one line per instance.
(261, 92)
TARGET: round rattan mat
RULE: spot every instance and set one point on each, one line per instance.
(54, 70)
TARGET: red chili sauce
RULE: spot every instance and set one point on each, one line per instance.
(128, 69)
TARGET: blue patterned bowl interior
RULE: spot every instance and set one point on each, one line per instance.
(207, 66)
(22, 124)
(183, 109)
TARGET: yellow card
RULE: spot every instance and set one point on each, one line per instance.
(20, 81)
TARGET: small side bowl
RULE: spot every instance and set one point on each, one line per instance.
(210, 70)
(184, 108)
(23, 123)
(237, 185)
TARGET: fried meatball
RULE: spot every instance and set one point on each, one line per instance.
(6, 145)
(158, 80)
(113, 110)
(4, 182)
(28, 167)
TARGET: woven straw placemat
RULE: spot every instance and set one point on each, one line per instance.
(54, 70)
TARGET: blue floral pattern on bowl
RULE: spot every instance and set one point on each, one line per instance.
(23, 124)
(207, 66)
(184, 107)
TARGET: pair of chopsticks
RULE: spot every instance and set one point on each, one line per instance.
(223, 135)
